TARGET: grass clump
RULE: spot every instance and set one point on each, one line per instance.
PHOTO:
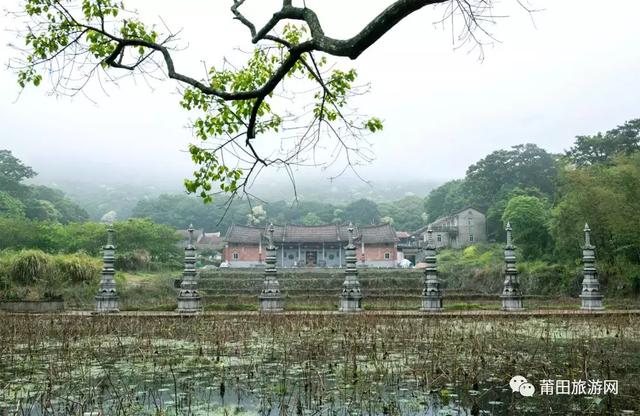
(78, 268)
(31, 266)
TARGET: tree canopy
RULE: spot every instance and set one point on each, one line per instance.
(608, 198)
(524, 166)
(602, 148)
(72, 41)
(445, 199)
(89, 237)
(12, 173)
(181, 210)
(490, 183)
(528, 216)
(37, 202)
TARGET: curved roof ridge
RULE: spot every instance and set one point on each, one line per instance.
(375, 225)
(380, 233)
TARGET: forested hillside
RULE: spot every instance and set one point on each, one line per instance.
(549, 197)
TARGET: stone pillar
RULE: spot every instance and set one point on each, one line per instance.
(591, 296)
(431, 294)
(511, 295)
(188, 298)
(351, 297)
(107, 298)
(270, 297)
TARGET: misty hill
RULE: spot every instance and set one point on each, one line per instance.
(100, 198)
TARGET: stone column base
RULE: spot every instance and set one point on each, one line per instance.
(107, 304)
(189, 305)
(592, 302)
(271, 304)
(512, 303)
(431, 304)
(350, 304)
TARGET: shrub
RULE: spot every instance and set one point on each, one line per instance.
(6, 262)
(32, 266)
(470, 253)
(541, 278)
(78, 268)
(136, 260)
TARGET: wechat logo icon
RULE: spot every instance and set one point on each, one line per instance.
(521, 385)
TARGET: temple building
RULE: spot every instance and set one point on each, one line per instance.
(311, 246)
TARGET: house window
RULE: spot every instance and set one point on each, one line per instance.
(387, 255)
(236, 256)
(471, 237)
(439, 238)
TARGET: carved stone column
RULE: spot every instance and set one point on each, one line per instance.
(511, 295)
(270, 297)
(432, 293)
(188, 298)
(592, 298)
(107, 298)
(351, 297)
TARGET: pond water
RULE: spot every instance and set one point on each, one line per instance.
(312, 365)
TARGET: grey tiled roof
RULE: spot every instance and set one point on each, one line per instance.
(311, 234)
(210, 239)
(328, 233)
(243, 234)
(383, 233)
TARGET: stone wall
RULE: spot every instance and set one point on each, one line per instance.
(33, 307)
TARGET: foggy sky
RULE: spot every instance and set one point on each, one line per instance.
(573, 70)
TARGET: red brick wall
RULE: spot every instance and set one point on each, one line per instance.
(375, 252)
(245, 253)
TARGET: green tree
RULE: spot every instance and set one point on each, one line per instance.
(523, 166)
(23, 233)
(338, 216)
(41, 210)
(495, 225)
(12, 173)
(312, 218)
(608, 198)
(67, 209)
(141, 234)
(362, 211)
(36, 202)
(445, 199)
(281, 212)
(181, 210)
(602, 148)
(406, 212)
(529, 217)
(10, 206)
(87, 237)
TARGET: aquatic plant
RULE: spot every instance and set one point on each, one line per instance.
(326, 364)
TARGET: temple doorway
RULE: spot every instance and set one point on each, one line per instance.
(311, 258)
